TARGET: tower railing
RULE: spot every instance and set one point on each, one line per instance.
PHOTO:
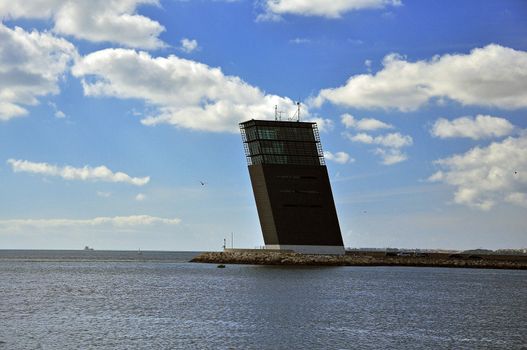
(245, 145)
(319, 145)
(294, 158)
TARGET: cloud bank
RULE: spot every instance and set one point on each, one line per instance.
(480, 127)
(86, 173)
(116, 221)
(186, 93)
(31, 65)
(492, 76)
(322, 8)
(114, 21)
(389, 145)
(485, 176)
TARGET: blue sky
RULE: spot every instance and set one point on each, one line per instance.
(112, 112)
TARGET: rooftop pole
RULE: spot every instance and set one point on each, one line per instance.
(298, 111)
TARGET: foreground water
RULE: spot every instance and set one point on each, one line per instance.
(126, 300)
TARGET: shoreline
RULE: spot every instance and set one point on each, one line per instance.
(262, 257)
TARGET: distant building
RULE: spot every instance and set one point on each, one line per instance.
(291, 186)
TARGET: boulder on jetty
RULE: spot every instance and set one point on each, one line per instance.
(264, 257)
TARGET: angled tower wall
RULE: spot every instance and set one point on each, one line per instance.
(291, 186)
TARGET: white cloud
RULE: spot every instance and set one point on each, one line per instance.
(299, 41)
(268, 16)
(493, 76)
(116, 221)
(367, 124)
(390, 145)
(338, 157)
(188, 45)
(355, 41)
(390, 156)
(140, 197)
(480, 127)
(486, 176)
(518, 198)
(186, 93)
(362, 138)
(393, 140)
(323, 8)
(86, 173)
(113, 21)
(60, 114)
(31, 65)
(368, 64)
(104, 194)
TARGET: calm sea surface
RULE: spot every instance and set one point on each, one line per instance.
(155, 300)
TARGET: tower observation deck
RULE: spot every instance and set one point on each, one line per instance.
(291, 186)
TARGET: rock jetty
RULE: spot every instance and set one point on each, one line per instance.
(263, 257)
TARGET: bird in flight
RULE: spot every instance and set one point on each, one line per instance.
(202, 183)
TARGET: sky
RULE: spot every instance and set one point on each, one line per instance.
(114, 112)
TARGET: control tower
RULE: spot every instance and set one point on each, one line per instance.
(291, 186)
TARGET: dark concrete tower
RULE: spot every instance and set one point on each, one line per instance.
(291, 186)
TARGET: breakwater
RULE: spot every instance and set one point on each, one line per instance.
(262, 257)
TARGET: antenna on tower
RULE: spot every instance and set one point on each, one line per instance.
(277, 113)
(298, 110)
(297, 113)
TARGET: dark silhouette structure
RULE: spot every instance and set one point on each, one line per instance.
(291, 186)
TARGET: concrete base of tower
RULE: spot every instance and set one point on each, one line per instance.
(309, 249)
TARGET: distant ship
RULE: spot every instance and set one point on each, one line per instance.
(87, 248)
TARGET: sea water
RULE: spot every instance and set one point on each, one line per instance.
(157, 300)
